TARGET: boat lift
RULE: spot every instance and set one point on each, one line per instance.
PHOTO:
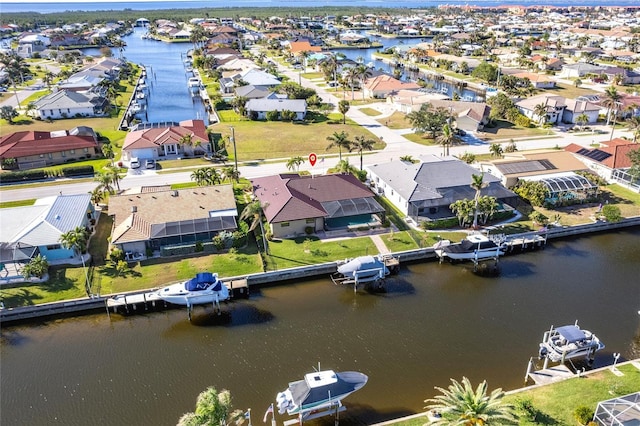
(332, 410)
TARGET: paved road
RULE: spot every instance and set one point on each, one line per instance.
(396, 146)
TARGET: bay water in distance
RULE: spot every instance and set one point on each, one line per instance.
(51, 7)
(436, 322)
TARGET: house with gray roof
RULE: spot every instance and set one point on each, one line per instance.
(31, 230)
(424, 190)
(70, 104)
(259, 108)
(252, 92)
(297, 205)
(154, 219)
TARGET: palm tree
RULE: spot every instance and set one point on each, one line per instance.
(360, 144)
(446, 138)
(341, 140)
(477, 183)
(582, 120)
(343, 107)
(186, 140)
(77, 239)
(199, 177)
(107, 151)
(212, 408)
(105, 182)
(352, 77)
(230, 173)
(496, 150)
(253, 212)
(541, 111)
(611, 101)
(344, 167)
(363, 73)
(461, 405)
(294, 163)
(633, 124)
(114, 172)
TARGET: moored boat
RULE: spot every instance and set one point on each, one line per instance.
(317, 391)
(474, 247)
(568, 342)
(204, 288)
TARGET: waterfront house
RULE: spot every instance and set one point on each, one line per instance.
(27, 231)
(521, 165)
(575, 108)
(424, 190)
(171, 140)
(152, 220)
(260, 107)
(70, 104)
(539, 81)
(31, 149)
(610, 160)
(381, 86)
(298, 205)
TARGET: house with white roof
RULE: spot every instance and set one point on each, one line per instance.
(260, 107)
(27, 231)
(70, 104)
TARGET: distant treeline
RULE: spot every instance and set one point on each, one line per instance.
(34, 19)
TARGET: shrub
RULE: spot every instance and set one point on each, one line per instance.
(583, 414)
(26, 175)
(116, 255)
(538, 218)
(78, 171)
(37, 267)
(272, 115)
(308, 230)
(198, 246)
(611, 213)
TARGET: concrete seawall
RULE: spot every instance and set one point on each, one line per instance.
(88, 305)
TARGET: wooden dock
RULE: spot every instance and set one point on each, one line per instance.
(551, 374)
(143, 301)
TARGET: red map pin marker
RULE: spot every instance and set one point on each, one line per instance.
(312, 159)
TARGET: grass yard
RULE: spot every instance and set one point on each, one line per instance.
(396, 121)
(370, 112)
(19, 203)
(302, 251)
(556, 403)
(507, 130)
(569, 91)
(261, 140)
(399, 241)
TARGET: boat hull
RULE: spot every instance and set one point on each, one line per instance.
(205, 288)
(569, 342)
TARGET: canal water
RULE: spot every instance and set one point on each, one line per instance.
(436, 322)
(169, 99)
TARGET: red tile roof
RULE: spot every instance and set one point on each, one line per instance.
(152, 138)
(26, 143)
(288, 197)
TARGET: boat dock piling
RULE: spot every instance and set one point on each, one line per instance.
(547, 375)
(142, 301)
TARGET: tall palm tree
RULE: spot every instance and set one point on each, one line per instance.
(77, 239)
(540, 110)
(360, 144)
(477, 183)
(343, 107)
(446, 138)
(253, 212)
(611, 101)
(114, 172)
(230, 173)
(341, 140)
(363, 73)
(633, 124)
(496, 150)
(199, 176)
(352, 77)
(461, 405)
(186, 140)
(212, 408)
(105, 182)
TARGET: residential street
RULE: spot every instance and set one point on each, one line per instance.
(397, 146)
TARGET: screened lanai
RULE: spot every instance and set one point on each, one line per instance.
(351, 212)
(621, 411)
(566, 188)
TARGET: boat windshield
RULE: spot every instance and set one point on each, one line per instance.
(200, 282)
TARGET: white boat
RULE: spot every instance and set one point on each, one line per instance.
(322, 390)
(204, 288)
(567, 342)
(365, 269)
(474, 247)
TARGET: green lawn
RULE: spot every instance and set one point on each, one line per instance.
(507, 130)
(289, 253)
(260, 140)
(19, 203)
(554, 404)
(569, 91)
(370, 112)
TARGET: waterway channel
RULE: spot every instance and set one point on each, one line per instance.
(437, 321)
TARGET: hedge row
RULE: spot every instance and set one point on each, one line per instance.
(31, 175)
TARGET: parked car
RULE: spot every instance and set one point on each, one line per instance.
(150, 164)
(135, 163)
(3, 89)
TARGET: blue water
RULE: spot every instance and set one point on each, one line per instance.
(169, 98)
(50, 7)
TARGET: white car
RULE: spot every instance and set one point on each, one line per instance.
(135, 163)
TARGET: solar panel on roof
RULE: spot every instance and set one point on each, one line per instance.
(525, 167)
(597, 155)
